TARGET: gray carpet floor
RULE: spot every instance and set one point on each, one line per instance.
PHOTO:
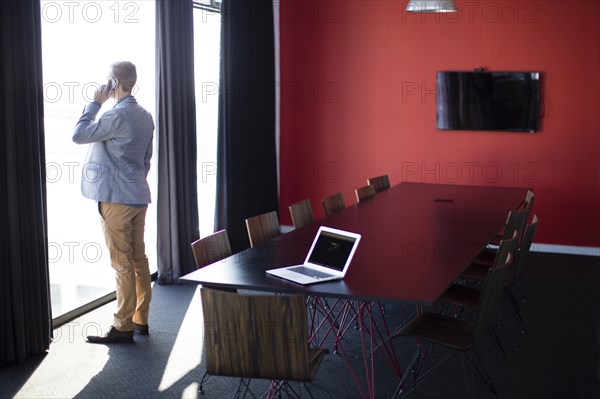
(559, 354)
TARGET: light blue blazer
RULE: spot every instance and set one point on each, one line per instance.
(118, 159)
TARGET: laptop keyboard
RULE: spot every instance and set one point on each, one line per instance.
(310, 272)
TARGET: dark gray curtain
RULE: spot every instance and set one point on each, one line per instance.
(177, 202)
(25, 316)
(246, 158)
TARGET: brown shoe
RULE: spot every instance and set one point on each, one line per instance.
(141, 329)
(113, 336)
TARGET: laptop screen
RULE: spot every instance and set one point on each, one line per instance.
(332, 250)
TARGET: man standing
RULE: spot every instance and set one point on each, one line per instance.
(114, 175)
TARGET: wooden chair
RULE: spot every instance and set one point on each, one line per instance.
(258, 336)
(515, 225)
(526, 245)
(211, 249)
(456, 334)
(364, 193)
(529, 200)
(262, 228)
(302, 213)
(515, 278)
(379, 183)
(526, 206)
(468, 297)
(333, 203)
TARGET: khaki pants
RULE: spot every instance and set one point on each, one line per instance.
(123, 228)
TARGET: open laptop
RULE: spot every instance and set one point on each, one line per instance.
(328, 258)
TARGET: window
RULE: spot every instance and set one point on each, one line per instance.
(207, 39)
(80, 41)
(208, 5)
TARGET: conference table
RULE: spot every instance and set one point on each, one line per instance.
(417, 238)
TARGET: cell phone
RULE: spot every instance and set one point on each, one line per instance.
(111, 84)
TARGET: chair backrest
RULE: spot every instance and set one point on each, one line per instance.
(364, 193)
(529, 199)
(504, 265)
(379, 183)
(255, 336)
(525, 247)
(333, 203)
(302, 213)
(515, 224)
(211, 249)
(262, 228)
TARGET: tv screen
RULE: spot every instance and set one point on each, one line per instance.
(497, 101)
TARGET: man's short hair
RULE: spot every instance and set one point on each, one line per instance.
(125, 73)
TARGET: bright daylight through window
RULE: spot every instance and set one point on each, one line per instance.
(80, 40)
(207, 40)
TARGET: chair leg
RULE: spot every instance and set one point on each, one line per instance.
(481, 371)
(307, 391)
(205, 377)
(242, 390)
(278, 388)
(434, 368)
(516, 308)
(410, 366)
(292, 393)
(499, 317)
(496, 339)
(416, 363)
(245, 387)
(469, 382)
(522, 289)
(423, 350)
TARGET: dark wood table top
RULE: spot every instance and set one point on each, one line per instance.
(417, 238)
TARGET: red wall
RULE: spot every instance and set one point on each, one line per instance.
(358, 100)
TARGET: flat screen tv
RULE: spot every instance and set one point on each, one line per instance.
(496, 101)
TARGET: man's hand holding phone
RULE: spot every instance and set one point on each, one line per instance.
(104, 92)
